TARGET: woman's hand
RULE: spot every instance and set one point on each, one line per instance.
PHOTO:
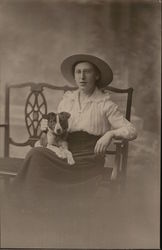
(103, 143)
(44, 125)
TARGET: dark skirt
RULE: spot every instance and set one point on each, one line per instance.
(44, 163)
(44, 176)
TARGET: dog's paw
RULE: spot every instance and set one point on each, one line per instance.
(37, 144)
(50, 147)
(70, 158)
(71, 161)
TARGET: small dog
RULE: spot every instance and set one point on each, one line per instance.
(55, 136)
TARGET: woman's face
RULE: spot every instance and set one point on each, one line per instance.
(86, 76)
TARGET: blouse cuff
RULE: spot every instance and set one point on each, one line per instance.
(127, 132)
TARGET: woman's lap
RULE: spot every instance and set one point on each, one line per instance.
(44, 178)
(44, 163)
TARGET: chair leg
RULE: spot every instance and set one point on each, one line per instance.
(5, 182)
(115, 171)
(124, 167)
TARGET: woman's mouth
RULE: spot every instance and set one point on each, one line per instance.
(83, 83)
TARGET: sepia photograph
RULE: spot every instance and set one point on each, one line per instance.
(80, 113)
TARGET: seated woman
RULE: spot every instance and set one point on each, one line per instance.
(95, 120)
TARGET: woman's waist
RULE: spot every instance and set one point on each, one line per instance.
(82, 142)
(82, 135)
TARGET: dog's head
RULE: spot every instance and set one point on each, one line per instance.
(57, 123)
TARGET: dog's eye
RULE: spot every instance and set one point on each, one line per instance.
(64, 124)
(51, 122)
(64, 115)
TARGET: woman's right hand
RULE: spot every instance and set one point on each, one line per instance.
(44, 125)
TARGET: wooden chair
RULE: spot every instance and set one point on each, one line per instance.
(34, 107)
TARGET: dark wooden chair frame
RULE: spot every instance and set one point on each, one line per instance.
(121, 146)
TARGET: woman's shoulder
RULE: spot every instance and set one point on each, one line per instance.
(101, 96)
(66, 101)
(104, 99)
(97, 97)
(69, 95)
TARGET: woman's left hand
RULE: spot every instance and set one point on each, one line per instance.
(103, 143)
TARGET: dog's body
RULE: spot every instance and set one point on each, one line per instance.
(55, 138)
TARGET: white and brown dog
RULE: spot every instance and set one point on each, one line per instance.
(55, 138)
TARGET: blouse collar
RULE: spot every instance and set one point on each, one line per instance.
(96, 96)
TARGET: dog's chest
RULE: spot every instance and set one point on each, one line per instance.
(50, 138)
(54, 140)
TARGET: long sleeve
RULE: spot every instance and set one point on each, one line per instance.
(121, 127)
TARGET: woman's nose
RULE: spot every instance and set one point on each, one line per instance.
(82, 75)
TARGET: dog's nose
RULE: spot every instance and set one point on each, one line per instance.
(58, 130)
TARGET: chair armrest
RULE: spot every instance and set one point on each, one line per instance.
(4, 125)
(119, 145)
(9, 167)
(7, 174)
(118, 141)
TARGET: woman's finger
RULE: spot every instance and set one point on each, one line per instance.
(96, 148)
(102, 149)
(99, 148)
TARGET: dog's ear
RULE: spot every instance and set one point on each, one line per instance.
(47, 116)
(64, 115)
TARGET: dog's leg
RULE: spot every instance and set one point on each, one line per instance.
(63, 154)
(57, 151)
(69, 157)
(43, 139)
(68, 154)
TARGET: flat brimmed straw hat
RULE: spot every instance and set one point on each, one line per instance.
(67, 68)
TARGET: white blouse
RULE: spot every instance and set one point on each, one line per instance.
(97, 115)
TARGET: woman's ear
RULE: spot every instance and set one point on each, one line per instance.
(97, 77)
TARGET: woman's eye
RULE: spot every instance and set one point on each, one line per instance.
(88, 71)
(84, 72)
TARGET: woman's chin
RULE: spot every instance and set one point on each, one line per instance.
(83, 88)
(86, 90)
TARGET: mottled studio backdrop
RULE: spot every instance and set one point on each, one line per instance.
(36, 35)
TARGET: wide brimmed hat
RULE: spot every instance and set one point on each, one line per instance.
(106, 74)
